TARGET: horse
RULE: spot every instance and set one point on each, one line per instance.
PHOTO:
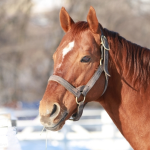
(95, 64)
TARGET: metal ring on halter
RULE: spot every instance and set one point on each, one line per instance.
(79, 102)
(101, 61)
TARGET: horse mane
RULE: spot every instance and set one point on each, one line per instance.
(134, 59)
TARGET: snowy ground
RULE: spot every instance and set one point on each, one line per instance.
(94, 131)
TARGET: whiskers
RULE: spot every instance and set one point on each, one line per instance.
(42, 131)
(45, 137)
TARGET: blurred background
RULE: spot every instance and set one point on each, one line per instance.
(29, 34)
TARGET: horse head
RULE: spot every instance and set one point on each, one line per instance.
(76, 60)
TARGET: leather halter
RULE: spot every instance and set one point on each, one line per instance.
(83, 90)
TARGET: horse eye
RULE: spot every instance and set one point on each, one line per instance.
(85, 59)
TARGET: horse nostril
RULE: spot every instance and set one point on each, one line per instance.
(53, 110)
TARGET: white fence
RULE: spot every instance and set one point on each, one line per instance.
(94, 130)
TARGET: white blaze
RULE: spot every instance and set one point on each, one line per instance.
(68, 48)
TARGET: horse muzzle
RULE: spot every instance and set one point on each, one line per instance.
(54, 119)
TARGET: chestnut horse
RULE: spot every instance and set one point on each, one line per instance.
(78, 57)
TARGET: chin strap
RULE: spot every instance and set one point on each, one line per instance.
(83, 90)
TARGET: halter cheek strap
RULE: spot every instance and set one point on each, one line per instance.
(83, 90)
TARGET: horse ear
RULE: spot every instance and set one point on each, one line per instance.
(93, 21)
(65, 20)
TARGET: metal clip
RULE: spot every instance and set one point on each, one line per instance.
(104, 42)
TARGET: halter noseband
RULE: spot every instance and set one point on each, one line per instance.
(83, 90)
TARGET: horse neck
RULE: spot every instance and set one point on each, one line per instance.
(124, 103)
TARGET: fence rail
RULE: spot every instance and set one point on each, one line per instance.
(98, 128)
(95, 126)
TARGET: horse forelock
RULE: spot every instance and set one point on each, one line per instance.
(134, 59)
(79, 27)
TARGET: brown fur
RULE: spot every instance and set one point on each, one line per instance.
(127, 98)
